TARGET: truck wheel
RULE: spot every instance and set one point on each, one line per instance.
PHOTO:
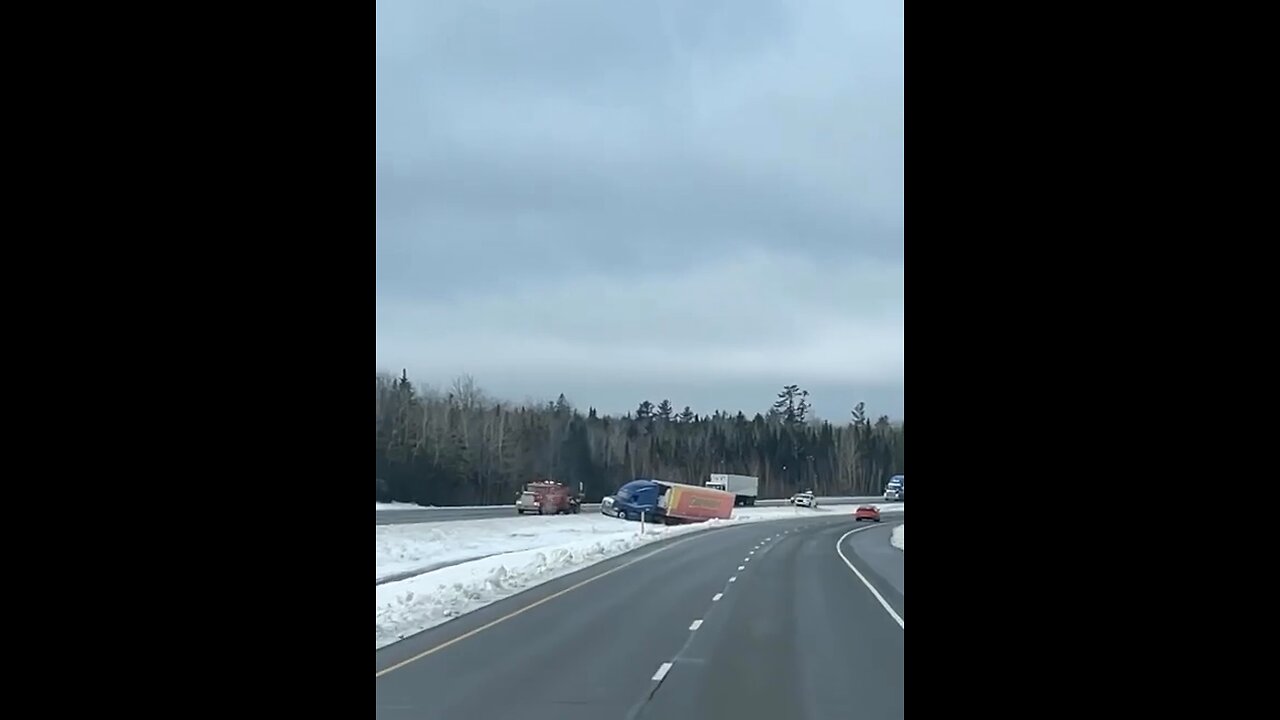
(519, 511)
(621, 514)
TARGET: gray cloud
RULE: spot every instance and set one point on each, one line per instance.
(681, 192)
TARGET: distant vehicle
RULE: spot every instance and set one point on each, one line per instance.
(895, 491)
(867, 512)
(744, 487)
(547, 497)
(667, 502)
(804, 499)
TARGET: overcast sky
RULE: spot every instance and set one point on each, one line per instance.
(693, 199)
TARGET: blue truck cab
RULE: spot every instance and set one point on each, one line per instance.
(896, 489)
(634, 498)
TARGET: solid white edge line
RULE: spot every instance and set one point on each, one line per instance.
(696, 624)
(663, 669)
(716, 597)
(892, 613)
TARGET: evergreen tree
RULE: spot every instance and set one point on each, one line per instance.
(460, 447)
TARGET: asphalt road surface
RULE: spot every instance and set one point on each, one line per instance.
(445, 514)
(766, 620)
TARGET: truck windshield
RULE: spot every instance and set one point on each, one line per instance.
(623, 494)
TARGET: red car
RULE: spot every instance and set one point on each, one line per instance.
(867, 512)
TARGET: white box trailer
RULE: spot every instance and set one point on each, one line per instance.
(745, 488)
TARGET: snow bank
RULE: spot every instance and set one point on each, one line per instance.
(396, 506)
(899, 537)
(409, 606)
(400, 549)
(499, 557)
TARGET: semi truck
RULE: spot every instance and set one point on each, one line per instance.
(548, 497)
(745, 488)
(669, 503)
(896, 489)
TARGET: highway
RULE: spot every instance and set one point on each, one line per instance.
(445, 514)
(799, 619)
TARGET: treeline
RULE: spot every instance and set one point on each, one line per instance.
(459, 447)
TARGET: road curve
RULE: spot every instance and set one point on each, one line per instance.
(871, 552)
(676, 630)
(445, 514)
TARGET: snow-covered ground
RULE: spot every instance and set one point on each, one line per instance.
(400, 549)
(899, 537)
(490, 559)
(414, 506)
(396, 506)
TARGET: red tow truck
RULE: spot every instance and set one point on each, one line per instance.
(548, 497)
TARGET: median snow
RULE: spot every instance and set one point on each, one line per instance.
(380, 506)
(899, 537)
(487, 560)
(401, 549)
